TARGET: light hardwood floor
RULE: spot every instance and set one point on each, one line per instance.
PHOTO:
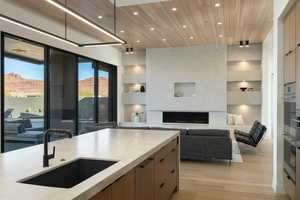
(250, 180)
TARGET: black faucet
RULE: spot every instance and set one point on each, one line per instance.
(47, 157)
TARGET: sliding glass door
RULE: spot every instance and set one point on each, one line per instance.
(103, 95)
(23, 87)
(44, 87)
(62, 90)
(86, 94)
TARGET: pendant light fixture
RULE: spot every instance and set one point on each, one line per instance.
(129, 51)
(247, 43)
(90, 23)
(242, 44)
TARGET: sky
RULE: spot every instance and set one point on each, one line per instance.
(36, 72)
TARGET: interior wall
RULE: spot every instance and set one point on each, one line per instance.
(203, 65)
(267, 64)
(106, 54)
(250, 113)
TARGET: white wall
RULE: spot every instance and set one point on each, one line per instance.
(106, 54)
(267, 64)
(280, 7)
(203, 65)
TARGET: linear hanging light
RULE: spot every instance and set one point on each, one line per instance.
(40, 31)
(86, 21)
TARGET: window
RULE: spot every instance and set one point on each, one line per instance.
(23, 94)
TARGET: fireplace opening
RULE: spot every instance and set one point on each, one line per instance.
(186, 117)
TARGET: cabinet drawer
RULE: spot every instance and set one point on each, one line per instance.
(172, 145)
(289, 186)
(165, 189)
(165, 165)
(161, 155)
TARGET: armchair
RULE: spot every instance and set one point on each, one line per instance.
(252, 138)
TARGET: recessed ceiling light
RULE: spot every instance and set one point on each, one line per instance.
(135, 13)
(122, 31)
(192, 37)
(219, 23)
(217, 4)
(164, 39)
(174, 9)
(100, 17)
(138, 41)
(184, 26)
(220, 36)
(152, 29)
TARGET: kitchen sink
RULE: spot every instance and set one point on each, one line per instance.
(71, 174)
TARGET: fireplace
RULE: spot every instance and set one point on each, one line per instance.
(186, 117)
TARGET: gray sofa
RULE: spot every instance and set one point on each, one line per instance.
(207, 144)
(200, 144)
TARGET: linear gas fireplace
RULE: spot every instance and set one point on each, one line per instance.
(186, 117)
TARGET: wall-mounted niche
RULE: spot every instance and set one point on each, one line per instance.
(184, 89)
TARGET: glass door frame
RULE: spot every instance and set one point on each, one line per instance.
(2, 81)
(113, 85)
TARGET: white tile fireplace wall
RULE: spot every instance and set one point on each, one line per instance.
(205, 66)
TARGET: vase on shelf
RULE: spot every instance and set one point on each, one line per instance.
(135, 118)
(142, 89)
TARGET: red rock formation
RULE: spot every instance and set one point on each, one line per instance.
(16, 85)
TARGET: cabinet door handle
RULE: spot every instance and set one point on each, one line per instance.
(288, 177)
(162, 160)
(146, 163)
(173, 150)
(162, 185)
(173, 171)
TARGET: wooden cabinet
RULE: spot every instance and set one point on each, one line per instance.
(286, 35)
(290, 46)
(298, 79)
(157, 178)
(145, 180)
(166, 171)
(103, 195)
(124, 187)
(292, 29)
(298, 23)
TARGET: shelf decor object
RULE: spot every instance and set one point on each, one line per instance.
(143, 89)
(243, 89)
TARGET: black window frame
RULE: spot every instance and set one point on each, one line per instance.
(113, 84)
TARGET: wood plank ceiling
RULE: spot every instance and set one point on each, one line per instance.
(195, 22)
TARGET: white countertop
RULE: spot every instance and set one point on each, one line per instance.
(129, 147)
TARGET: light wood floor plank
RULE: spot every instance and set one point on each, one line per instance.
(250, 180)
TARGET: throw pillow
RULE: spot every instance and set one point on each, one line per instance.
(239, 120)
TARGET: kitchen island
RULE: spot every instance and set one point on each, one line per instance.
(146, 168)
